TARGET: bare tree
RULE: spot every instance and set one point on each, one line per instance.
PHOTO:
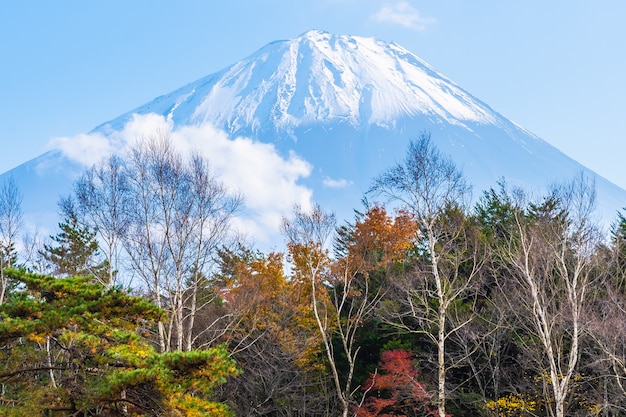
(429, 186)
(32, 244)
(608, 330)
(179, 214)
(10, 224)
(102, 199)
(606, 325)
(551, 257)
(163, 214)
(307, 235)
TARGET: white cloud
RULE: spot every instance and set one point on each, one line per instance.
(86, 149)
(89, 148)
(267, 180)
(332, 183)
(403, 14)
(143, 126)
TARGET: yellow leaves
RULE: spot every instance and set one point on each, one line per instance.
(594, 409)
(310, 262)
(37, 338)
(191, 406)
(518, 405)
(259, 293)
(547, 379)
(267, 302)
(512, 405)
(144, 353)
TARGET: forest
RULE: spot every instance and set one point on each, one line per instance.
(428, 302)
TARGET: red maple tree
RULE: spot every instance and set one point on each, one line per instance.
(394, 390)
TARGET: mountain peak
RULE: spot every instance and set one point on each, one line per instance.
(320, 78)
(315, 34)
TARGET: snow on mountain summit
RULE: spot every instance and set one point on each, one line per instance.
(320, 78)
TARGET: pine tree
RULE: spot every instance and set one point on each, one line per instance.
(76, 251)
(618, 243)
(73, 347)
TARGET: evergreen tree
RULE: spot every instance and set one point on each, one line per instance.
(75, 251)
(76, 348)
(8, 259)
(618, 241)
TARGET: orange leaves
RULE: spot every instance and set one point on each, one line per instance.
(266, 301)
(378, 239)
(259, 290)
(310, 261)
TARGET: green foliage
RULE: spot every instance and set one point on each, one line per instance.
(618, 243)
(618, 230)
(74, 347)
(8, 259)
(76, 251)
(495, 212)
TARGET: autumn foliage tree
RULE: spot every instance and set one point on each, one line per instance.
(376, 240)
(340, 292)
(272, 336)
(394, 389)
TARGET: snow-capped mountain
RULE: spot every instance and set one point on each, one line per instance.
(315, 118)
(315, 79)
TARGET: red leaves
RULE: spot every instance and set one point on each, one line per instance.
(394, 391)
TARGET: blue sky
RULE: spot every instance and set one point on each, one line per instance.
(555, 67)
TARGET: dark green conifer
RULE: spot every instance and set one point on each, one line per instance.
(73, 347)
(75, 251)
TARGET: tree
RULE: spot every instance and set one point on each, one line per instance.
(340, 291)
(307, 234)
(606, 326)
(271, 338)
(75, 347)
(489, 341)
(101, 200)
(376, 240)
(395, 390)
(76, 250)
(431, 188)
(169, 213)
(617, 252)
(10, 224)
(551, 257)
